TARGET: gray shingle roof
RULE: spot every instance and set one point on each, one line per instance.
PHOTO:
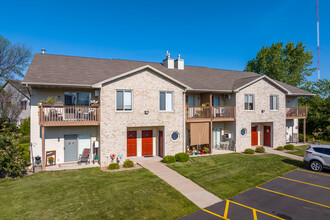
(59, 69)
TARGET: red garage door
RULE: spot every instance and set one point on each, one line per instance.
(254, 135)
(147, 143)
(131, 143)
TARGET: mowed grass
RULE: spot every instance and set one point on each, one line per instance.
(92, 194)
(299, 150)
(228, 175)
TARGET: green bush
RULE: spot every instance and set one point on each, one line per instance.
(113, 166)
(260, 150)
(182, 157)
(25, 151)
(25, 127)
(289, 147)
(280, 148)
(249, 151)
(128, 164)
(24, 139)
(169, 159)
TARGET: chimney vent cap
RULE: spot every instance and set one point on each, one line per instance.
(43, 50)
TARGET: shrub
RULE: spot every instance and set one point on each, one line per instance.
(280, 148)
(128, 164)
(169, 159)
(24, 139)
(113, 166)
(25, 127)
(25, 151)
(260, 150)
(289, 147)
(182, 157)
(249, 151)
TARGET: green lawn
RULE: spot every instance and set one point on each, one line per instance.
(227, 175)
(299, 150)
(92, 194)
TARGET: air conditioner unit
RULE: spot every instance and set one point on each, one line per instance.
(227, 135)
(227, 96)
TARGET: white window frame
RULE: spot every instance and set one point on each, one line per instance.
(171, 92)
(123, 90)
(277, 102)
(254, 106)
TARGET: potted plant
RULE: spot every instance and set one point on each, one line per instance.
(57, 102)
(50, 160)
(206, 150)
(47, 103)
(95, 103)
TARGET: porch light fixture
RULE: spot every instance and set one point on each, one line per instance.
(146, 112)
(58, 139)
(262, 111)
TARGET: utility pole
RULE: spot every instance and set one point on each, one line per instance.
(318, 40)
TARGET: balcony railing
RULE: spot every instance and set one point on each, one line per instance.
(296, 112)
(69, 116)
(220, 113)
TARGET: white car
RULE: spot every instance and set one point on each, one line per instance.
(318, 157)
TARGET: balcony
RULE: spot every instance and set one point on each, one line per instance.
(210, 113)
(296, 112)
(69, 116)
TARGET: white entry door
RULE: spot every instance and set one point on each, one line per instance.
(84, 142)
(216, 137)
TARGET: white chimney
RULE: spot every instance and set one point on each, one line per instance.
(43, 51)
(168, 62)
(179, 63)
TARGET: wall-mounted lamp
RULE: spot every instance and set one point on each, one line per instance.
(58, 139)
(146, 112)
(262, 111)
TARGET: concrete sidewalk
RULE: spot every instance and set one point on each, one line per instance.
(189, 189)
(281, 153)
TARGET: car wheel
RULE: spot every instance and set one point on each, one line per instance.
(316, 166)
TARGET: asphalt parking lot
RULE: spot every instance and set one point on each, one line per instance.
(299, 194)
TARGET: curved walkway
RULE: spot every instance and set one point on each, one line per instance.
(281, 153)
(188, 188)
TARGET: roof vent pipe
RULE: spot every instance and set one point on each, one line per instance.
(43, 51)
(168, 62)
(179, 63)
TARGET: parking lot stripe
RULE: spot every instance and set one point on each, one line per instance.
(226, 209)
(212, 213)
(323, 174)
(253, 209)
(298, 181)
(315, 203)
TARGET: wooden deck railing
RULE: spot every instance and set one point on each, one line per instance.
(220, 113)
(69, 116)
(296, 112)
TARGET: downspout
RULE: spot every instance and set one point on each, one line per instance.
(184, 121)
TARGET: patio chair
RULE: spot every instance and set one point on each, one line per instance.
(84, 157)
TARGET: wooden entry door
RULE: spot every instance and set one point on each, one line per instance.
(267, 136)
(161, 144)
(254, 135)
(147, 143)
(131, 143)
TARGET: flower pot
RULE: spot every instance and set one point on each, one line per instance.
(46, 104)
(96, 105)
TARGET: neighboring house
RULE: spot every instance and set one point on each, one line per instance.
(149, 109)
(15, 100)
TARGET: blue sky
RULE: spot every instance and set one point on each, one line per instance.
(218, 34)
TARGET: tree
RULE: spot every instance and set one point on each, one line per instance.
(318, 107)
(25, 127)
(290, 64)
(14, 58)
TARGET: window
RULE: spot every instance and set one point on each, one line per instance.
(243, 131)
(274, 102)
(318, 149)
(216, 100)
(190, 100)
(124, 100)
(175, 135)
(23, 105)
(77, 98)
(249, 102)
(166, 101)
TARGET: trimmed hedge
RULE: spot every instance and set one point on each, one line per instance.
(280, 148)
(249, 151)
(128, 164)
(182, 157)
(289, 147)
(169, 159)
(113, 166)
(260, 150)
